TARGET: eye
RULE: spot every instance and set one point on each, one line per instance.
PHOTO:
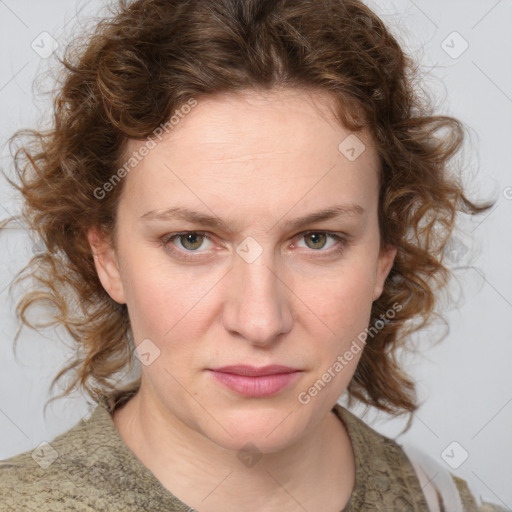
(190, 241)
(183, 245)
(316, 240)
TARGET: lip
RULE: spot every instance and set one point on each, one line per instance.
(255, 371)
(255, 382)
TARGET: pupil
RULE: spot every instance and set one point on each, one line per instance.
(314, 236)
(191, 238)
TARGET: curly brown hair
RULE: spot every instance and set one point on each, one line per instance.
(140, 65)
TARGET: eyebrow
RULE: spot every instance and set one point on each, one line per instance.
(185, 214)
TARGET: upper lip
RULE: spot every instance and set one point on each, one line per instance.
(254, 371)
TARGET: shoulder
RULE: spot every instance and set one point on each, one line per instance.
(56, 475)
(24, 485)
(410, 475)
(87, 469)
(469, 501)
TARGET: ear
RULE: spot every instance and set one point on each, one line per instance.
(107, 267)
(384, 265)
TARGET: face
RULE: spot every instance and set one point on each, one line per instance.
(216, 269)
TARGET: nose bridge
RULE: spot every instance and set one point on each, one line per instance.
(258, 309)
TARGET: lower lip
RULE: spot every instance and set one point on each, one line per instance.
(256, 387)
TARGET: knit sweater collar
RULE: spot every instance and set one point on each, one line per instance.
(376, 458)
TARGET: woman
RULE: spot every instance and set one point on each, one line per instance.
(248, 197)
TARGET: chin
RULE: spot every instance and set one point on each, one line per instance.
(269, 429)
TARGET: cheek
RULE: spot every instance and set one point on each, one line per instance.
(165, 305)
(344, 300)
(151, 298)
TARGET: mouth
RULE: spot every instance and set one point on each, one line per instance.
(254, 371)
(255, 382)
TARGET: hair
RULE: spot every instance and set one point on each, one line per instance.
(137, 67)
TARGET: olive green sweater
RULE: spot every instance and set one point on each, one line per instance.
(90, 468)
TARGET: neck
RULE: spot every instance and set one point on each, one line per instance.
(316, 473)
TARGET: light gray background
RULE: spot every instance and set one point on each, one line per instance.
(465, 381)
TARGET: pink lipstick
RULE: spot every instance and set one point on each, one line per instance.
(255, 382)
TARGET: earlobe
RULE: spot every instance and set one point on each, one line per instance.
(384, 265)
(106, 264)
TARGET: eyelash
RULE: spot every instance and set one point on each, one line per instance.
(343, 242)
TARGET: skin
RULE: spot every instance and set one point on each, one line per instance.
(255, 160)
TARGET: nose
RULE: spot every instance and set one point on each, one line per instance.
(258, 306)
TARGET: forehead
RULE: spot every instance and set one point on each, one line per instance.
(255, 146)
(299, 118)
